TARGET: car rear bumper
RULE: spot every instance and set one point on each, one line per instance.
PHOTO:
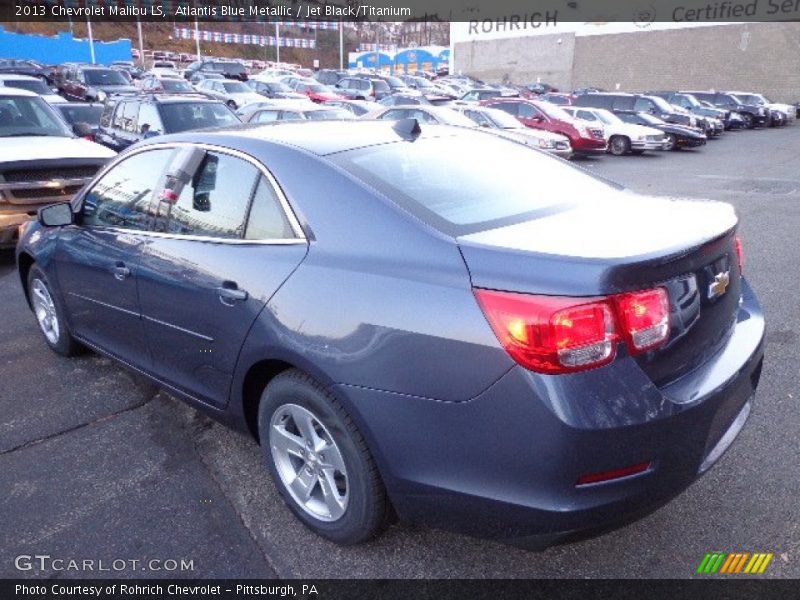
(506, 464)
(588, 146)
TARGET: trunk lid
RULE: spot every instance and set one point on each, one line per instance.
(623, 244)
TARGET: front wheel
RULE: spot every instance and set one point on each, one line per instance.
(320, 461)
(50, 315)
(672, 142)
(619, 145)
(749, 121)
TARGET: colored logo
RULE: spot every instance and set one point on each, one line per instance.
(734, 563)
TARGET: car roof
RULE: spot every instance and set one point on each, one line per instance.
(13, 77)
(317, 137)
(9, 91)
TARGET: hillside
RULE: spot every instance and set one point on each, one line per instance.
(158, 36)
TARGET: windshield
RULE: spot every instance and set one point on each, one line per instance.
(183, 116)
(395, 82)
(327, 115)
(691, 100)
(105, 77)
(502, 119)
(29, 116)
(423, 83)
(465, 195)
(278, 87)
(176, 85)
(81, 113)
(37, 87)
(662, 104)
(235, 87)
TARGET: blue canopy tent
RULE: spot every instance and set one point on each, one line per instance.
(371, 60)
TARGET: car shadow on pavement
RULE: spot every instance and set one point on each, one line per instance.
(6, 262)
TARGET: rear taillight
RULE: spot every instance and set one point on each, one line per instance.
(556, 334)
(551, 334)
(644, 318)
(737, 244)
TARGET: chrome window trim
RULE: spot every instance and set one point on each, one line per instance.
(294, 223)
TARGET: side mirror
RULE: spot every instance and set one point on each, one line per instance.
(56, 215)
(83, 130)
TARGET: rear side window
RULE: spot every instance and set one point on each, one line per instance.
(267, 220)
(130, 112)
(623, 103)
(214, 203)
(122, 196)
(511, 108)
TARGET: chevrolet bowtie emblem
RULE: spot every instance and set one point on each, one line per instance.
(717, 287)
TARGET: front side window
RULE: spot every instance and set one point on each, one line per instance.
(266, 116)
(121, 197)
(214, 203)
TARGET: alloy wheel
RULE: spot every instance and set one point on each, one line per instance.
(45, 311)
(309, 463)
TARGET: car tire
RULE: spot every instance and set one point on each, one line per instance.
(619, 145)
(50, 314)
(332, 485)
(672, 142)
(749, 121)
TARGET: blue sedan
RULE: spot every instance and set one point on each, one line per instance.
(424, 322)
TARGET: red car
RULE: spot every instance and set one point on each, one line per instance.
(584, 137)
(317, 92)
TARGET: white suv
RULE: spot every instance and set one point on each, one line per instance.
(41, 160)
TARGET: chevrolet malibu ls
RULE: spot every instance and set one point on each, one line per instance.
(406, 335)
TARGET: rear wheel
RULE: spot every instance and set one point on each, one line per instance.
(619, 145)
(50, 315)
(319, 461)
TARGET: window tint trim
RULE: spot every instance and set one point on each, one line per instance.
(294, 222)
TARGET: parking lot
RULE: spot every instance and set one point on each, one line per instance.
(99, 465)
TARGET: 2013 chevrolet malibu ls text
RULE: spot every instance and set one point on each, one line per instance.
(495, 342)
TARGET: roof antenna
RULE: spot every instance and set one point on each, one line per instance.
(407, 128)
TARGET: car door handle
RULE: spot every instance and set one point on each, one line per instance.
(120, 271)
(229, 293)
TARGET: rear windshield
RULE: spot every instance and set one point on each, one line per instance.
(182, 116)
(36, 86)
(176, 85)
(81, 113)
(105, 77)
(485, 183)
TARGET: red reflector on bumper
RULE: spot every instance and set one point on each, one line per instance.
(615, 474)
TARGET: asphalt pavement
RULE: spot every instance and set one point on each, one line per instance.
(95, 464)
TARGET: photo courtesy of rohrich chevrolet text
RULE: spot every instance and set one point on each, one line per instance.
(331, 300)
